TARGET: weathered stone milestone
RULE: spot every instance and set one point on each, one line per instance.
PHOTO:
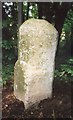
(34, 69)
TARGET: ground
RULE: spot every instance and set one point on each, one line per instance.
(57, 107)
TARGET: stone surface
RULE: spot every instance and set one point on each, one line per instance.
(34, 69)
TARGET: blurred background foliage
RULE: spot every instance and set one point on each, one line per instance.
(59, 14)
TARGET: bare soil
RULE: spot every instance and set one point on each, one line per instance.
(57, 107)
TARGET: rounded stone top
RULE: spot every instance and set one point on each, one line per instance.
(37, 27)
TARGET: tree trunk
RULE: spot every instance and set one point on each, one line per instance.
(45, 11)
(60, 15)
(20, 13)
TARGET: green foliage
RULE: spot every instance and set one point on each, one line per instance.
(10, 40)
(7, 44)
(33, 11)
(66, 31)
(5, 23)
(65, 71)
(9, 27)
(7, 73)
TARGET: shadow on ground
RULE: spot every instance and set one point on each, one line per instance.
(57, 107)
